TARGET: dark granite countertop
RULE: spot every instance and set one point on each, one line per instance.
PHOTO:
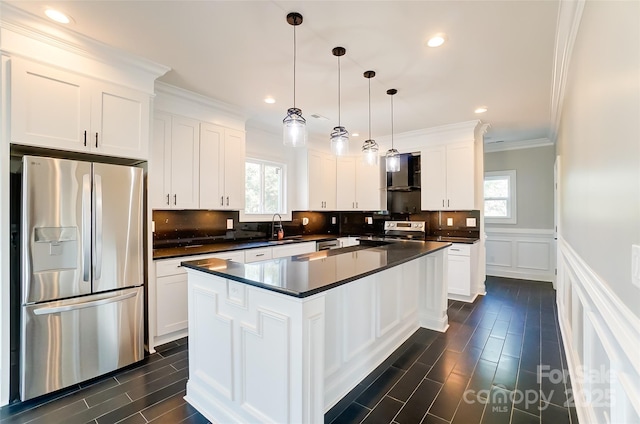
(465, 240)
(311, 273)
(177, 252)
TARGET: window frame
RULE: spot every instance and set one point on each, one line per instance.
(284, 212)
(512, 213)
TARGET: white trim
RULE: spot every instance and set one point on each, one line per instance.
(569, 16)
(589, 313)
(512, 200)
(412, 141)
(197, 99)
(492, 147)
(520, 246)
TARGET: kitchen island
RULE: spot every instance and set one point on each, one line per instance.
(284, 340)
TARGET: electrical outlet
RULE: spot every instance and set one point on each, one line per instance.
(153, 226)
(471, 222)
(230, 224)
(305, 221)
(369, 220)
(333, 220)
(449, 222)
(635, 264)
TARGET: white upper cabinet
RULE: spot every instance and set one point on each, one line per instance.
(62, 110)
(321, 181)
(174, 178)
(222, 157)
(448, 177)
(358, 185)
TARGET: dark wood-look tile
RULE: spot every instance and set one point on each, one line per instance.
(433, 352)
(449, 397)
(520, 417)
(443, 366)
(409, 381)
(343, 403)
(506, 373)
(376, 391)
(432, 419)
(419, 403)
(136, 418)
(354, 413)
(498, 408)
(384, 411)
(176, 415)
(409, 356)
(552, 414)
(529, 387)
(482, 376)
(469, 410)
(50, 416)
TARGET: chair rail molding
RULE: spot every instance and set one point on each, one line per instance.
(601, 338)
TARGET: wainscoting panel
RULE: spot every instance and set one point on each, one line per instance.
(521, 253)
(602, 339)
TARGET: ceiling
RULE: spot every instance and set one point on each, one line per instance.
(498, 54)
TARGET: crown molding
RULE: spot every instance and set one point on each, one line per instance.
(443, 134)
(569, 16)
(516, 145)
(40, 30)
(180, 101)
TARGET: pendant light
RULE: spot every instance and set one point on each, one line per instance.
(370, 147)
(392, 158)
(294, 125)
(339, 135)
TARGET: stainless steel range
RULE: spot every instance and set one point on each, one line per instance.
(405, 230)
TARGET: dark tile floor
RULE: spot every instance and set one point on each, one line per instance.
(484, 369)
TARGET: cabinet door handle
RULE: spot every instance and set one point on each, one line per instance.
(455, 250)
(167, 198)
(443, 203)
(227, 200)
(175, 199)
(356, 205)
(259, 254)
(96, 139)
(221, 200)
(447, 202)
(85, 138)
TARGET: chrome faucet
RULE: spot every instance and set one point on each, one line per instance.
(273, 220)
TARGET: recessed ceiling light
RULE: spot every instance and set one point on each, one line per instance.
(356, 134)
(57, 16)
(270, 100)
(437, 40)
(481, 109)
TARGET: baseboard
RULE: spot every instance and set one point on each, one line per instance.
(601, 337)
(463, 298)
(519, 275)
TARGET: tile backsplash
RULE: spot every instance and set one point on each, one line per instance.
(189, 227)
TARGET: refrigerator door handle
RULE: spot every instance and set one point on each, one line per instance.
(86, 226)
(98, 216)
(82, 305)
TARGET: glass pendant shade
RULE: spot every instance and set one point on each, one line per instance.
(294, 128)
(339, 141)
(370, 152)
(392, 160)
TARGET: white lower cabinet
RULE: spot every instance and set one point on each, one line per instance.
(462, 271)
(348, 241)
(171, 294)
(171, 309)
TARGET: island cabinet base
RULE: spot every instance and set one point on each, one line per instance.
(256, 355)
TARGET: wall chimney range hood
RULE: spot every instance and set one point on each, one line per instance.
(408, 178)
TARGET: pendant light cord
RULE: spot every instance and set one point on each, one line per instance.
(392, 122)
(294, 66)
(338, 90)
(369, 108)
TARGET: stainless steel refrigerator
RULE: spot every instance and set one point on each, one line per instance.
(81, 272)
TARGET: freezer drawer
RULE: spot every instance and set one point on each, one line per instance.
(69, 341)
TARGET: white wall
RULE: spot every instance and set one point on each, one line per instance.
(599, 144)
(599, 200)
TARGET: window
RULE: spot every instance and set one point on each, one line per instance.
(264, 187)
(500, 197)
